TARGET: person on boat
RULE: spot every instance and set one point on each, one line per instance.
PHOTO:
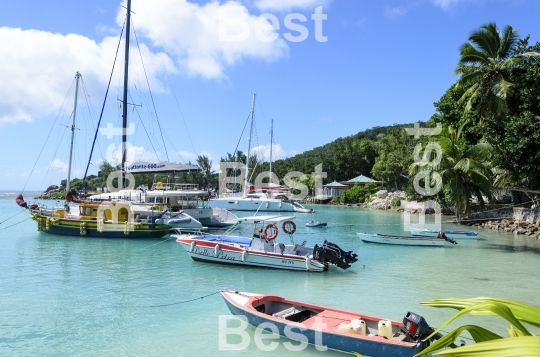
(441, 235)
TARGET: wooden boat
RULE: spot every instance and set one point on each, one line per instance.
(332, 328)
(448, 233)
(316, 224)
(261, 249)
(404, 240)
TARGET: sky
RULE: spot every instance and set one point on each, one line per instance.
(321, 69)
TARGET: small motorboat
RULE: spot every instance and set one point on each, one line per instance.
(438, 241)
(316, 224)
(262, 250)
(332, 328)
(449, 234)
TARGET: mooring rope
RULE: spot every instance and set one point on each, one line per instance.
(186, 301)
(18, 223)
(7, 219)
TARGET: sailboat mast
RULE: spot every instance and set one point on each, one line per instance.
(68, 183)
(271, 147)
(121, 181)
(249, 145)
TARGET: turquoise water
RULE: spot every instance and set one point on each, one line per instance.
(72, 296)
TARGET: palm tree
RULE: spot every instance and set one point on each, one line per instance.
(485, 65)
(464, 172)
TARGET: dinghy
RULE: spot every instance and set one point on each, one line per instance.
(332, 328)
(316, 224)
(449, 234)
(405, 240)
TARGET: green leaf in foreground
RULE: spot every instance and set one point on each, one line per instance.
(478, 333)
(506, 347)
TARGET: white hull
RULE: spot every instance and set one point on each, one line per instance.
(449, 234)
(394, 240)
(200, 250)
(256, 204)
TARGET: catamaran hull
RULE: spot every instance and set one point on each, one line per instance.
(207, 252)
(252, 205)
(412, 241)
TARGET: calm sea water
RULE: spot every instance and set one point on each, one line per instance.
(72, 296)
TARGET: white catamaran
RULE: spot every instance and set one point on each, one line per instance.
(258, 201)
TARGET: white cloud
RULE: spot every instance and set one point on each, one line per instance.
(37, 67)
(283, 5)
(59, 165)
(391, 12)
(263, 152)
(445, 4)
(187, 156)
(190, 33)
(133, 154)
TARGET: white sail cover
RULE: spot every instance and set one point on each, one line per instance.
(152, 167)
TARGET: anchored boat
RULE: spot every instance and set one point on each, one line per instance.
(332, 328)
(405, 240)
(261, 249)
(316, 224)
(449, 234)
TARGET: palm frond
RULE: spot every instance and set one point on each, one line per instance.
(509, 39)
(507, 347)
(525, 313)
(479, 334)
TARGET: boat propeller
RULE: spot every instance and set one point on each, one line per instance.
(332, 253)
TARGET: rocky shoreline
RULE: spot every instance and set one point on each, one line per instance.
(510, 226)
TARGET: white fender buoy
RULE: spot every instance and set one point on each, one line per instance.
(244, 256)
(308, 263)
(192, 247)
(216, 250)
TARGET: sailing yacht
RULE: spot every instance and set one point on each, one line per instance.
(104, 219)
(180, 205)
(256, 200)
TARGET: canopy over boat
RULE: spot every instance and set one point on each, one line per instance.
(267, 219)
(149, 167)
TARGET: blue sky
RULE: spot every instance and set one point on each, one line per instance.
(384, 62)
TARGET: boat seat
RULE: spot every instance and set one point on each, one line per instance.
(287, 312)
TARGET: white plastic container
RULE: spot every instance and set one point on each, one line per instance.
(385, 328)
(359, 326)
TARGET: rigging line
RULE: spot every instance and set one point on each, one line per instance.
(18, 223)
(170, 83)
(144, 127)
(102, 108)
(7, 219)
(185, 301)
(151, 96)
(54, 155)
(91, 110)
(238, 144)
(47, 139)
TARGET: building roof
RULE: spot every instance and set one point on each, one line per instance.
(335, 184)
(362, 179)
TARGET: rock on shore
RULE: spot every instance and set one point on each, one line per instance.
(510, 226)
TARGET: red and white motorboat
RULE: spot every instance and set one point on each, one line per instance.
(262, 250)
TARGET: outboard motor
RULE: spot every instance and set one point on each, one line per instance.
(443, 236)
(417, 329)
(333, 254)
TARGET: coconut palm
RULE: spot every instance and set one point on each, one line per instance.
(464, 172)
(485, 65)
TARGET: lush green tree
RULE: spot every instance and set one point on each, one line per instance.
(207, 177)
(358, 193)
(395, 155)
(485, 63)
(465, 171)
